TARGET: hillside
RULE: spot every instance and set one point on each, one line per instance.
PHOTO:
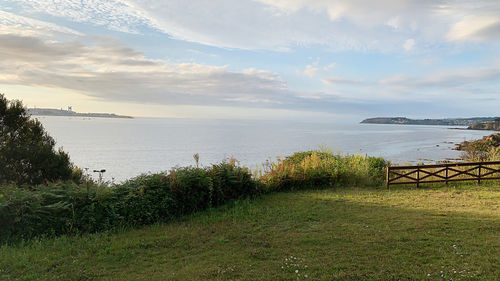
(441, 122)
(62, 112)
(344, 234)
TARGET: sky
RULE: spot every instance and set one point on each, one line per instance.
(309, 60)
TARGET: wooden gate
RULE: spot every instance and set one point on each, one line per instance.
(475, 171)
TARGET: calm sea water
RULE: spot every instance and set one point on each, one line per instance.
(128, 147)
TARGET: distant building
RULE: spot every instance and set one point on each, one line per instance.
(70, 108)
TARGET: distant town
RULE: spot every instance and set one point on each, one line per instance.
(475, 123)
(70, 112)
(443, 122)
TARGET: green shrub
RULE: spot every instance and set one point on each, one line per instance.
(43, 210)
(146, 199)
(230, 182)
(323, 168)
(70, 208)
(190, 188)
(27, 152)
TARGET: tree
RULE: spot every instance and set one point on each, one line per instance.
(27, 153)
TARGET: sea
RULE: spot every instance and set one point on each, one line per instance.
(126, 148)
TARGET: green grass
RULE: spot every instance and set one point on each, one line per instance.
(335, 234)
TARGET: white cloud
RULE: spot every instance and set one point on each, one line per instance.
(409, 44)
(394, 22)
(459, 85)
(114, 72)
(284, 24)
(15, 24)
(475, 28)
(311, 70)
(330, 66)
(450, 79)
(118, 15)
(110, 73)
(335, 80)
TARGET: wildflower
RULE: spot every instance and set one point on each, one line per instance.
(296, 271)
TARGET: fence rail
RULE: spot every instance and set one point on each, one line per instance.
(475, 171)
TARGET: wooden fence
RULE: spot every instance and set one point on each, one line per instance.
(475, 171)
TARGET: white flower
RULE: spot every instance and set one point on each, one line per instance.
(296, 271)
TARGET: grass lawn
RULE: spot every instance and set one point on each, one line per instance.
(336, 234)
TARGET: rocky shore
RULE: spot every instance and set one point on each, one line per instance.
(487, 142)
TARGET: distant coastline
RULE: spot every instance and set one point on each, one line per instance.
(62, 112)
(469, 122)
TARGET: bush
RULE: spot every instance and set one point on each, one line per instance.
(146, 199)
(190, 188)
(68, 208)
(27, 153)
(230, 182)
(323, 168)
(71, 208)
(44, 210)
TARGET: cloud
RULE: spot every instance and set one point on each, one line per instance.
(113, 72)
(470, 85)
(334, 80)
(118, 15)
(285, 24)
(330, 66)
(475, 28)
(38, 53)
(447, 79)
(106, 71)
(409, 44)
(311, 70)
(11, 23)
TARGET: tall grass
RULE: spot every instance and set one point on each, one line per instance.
(323, 168)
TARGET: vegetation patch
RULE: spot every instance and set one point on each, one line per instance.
(71, 208)
(485, 149)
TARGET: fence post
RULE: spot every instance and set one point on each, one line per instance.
(418, 177)
(479, 175)
(387, 176)
(446, 176)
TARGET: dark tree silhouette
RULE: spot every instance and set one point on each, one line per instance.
(27, 153)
